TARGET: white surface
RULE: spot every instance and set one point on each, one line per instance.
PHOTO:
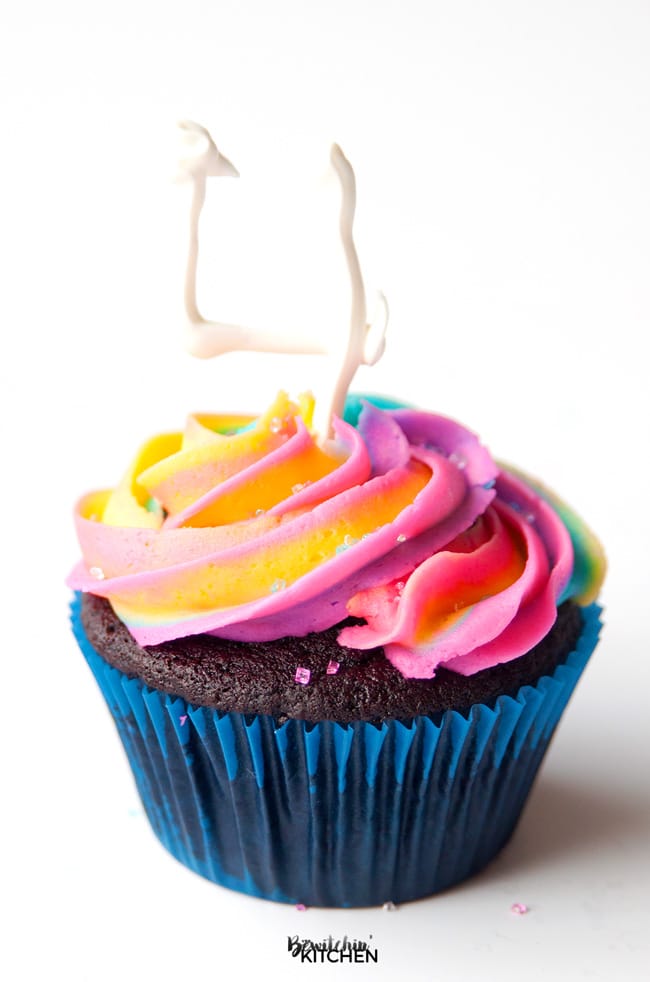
(502, 152)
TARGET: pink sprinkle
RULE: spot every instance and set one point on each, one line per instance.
(182, 720)
(302, 676)
(300, 907)
(520, 908)
(332, 667)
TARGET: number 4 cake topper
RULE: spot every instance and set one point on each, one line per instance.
(357, 343)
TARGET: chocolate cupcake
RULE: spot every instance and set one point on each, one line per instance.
(335, 667)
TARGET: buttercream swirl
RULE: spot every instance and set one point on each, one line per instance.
(248, 529)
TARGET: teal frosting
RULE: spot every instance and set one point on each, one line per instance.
(354, 404)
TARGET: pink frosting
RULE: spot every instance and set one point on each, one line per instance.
(468, 572)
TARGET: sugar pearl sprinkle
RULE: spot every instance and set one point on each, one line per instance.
(520, 908)
(302, 675)
(348, 541)
(389, 905)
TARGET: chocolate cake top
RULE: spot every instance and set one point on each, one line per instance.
(250, 677)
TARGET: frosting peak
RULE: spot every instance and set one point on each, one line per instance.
(249, 529)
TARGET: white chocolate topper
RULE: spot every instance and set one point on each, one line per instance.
(346, 346)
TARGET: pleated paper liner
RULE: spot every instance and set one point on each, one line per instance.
(336, 815)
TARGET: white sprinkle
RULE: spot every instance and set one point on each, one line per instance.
(97, 572)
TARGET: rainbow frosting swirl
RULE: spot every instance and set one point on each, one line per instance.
(246, 528)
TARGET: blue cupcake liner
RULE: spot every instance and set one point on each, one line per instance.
(336, 815)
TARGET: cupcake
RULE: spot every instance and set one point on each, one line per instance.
(335, 668)
(336, 638)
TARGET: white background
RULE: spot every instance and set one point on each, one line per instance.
(502, 153)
